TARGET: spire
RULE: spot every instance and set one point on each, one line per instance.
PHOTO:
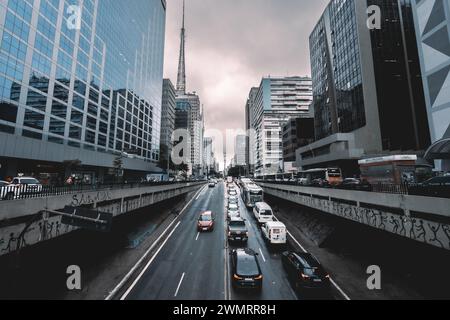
(181, 79)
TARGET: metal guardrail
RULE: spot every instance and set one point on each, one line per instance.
(10, 193)
(405, 189)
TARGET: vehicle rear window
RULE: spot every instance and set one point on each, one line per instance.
(246, 266)
(309, 262)
(237, 223)
(29, 181)
(266, 212)
(276, 231)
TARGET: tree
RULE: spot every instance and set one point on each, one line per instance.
(118, 166)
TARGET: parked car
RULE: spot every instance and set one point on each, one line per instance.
(434, 187)
(233, 200)
(274, 233)
(232, 192)
(355, 184)
(245, 269)
(237, 230)
(322, 183)
(305, 272)
(262, 212)
(205, 222)
(27, 185)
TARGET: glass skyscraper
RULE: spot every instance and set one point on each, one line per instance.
(90, 92)
(367, 89)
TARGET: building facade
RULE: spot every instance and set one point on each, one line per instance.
(167, 118)
(240, 146)
(250, 108)
(297, 132)
(367, 88)
(86, 95)
(277, 100)
(432, 21)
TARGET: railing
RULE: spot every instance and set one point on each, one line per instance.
(406, 189)
(8, 193)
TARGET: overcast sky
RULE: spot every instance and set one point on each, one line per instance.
(231, 44)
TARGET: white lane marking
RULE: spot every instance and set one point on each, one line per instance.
(131, 272)
(346, 297)
(148, 264)
(179, 285)
(262, 255)
(201, 193)
(198, 234)
(340, 290)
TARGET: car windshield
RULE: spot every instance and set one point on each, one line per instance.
(205, 217)
(29, 181)
(232, 208)
(246, 266)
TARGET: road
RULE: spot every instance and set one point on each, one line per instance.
(193, 266)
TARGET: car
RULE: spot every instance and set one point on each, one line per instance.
(321, 183)
(274, 233)
(237, 230)
(355, 184)
(8, 192)
(233, 211)
(434, 187)
(245, 269)
(232, 192)
(262, 212)
(206, 222)
(27, 185)
(233, 200)
(304, 271)
(211, 184)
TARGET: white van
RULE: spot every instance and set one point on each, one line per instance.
(263, 212)
(274, 232)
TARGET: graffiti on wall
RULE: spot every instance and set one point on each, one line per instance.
(19, 236)
(426, 231)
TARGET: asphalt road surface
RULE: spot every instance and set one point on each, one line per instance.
(195, 266)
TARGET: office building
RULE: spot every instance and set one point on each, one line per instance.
(167, 119)
(367, 88)
(240, 146)
(83, 95)
(297, 132)
(277, 100)
(432, 21)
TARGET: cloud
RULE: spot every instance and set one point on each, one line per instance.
(231, 44)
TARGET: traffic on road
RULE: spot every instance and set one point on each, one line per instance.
(221, 249)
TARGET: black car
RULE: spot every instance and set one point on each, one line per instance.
(435, 187)
(245, 269)
(237, 230)
(305, 272)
